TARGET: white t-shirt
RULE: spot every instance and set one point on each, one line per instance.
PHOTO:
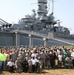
(10, 64)
(60, 57)
(33, 61)
(34, 55)
(72, 55)
(30, 62)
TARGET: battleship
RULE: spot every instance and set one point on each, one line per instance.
(37, 29)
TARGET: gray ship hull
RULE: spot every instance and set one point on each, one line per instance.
(9, 39)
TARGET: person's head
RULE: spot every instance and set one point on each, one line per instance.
(25, 59)
(38, 58)
(60, 53)
(11, 60)
(2, 52)
(73, 50)
(30, 57)
(18, 58)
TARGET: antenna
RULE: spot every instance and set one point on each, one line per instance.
(52, 6)
(48, 5)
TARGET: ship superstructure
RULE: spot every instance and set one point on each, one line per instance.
(39, 25)
(39, 21)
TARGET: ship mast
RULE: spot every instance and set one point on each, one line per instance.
(53, 6)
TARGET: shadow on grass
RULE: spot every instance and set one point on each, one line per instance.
(43, 72)
(1, 72)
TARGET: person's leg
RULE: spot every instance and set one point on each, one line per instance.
(30, 68)
(0, 66)
(33, 68)
(73, 62)
(48, 64)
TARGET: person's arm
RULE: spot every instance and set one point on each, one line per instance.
(7, 63)
(16, 64)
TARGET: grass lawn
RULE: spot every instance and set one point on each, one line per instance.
(45, 72)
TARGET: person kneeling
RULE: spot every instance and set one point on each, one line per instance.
(10, 65)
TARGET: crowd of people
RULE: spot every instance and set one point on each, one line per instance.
(35, 59)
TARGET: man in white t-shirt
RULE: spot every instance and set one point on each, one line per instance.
(33, 64)
(60, 59)
(72, 57)
(10, 64)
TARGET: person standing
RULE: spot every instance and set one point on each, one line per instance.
(25, 65)
(18, 65)
(72, 57)
(60, 59)
(30, 64)
(33, 64)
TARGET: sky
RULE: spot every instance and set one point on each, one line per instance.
(13, 10)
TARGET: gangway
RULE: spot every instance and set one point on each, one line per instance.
(2, 22)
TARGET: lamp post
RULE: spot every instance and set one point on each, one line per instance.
(17, 38)
(45, 42)
(30, 40)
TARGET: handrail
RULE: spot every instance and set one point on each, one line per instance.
(63, 41)
(31, 33)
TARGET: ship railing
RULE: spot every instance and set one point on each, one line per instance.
(64, 41)
(31, 33)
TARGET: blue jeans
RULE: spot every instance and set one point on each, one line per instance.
(0, 65)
